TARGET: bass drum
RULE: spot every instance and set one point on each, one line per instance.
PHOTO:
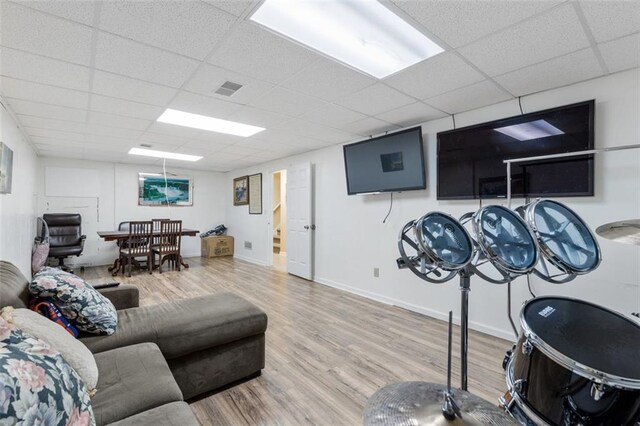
(575, 363)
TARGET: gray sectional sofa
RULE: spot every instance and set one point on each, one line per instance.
(163, 354)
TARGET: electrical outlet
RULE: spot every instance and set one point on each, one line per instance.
(376, 272)
(247, 245)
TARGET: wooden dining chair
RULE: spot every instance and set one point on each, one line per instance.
(169, 244)
(138, 244)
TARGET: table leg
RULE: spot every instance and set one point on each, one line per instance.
(184, 264)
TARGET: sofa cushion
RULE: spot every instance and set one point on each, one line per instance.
(185, 326)
(81, 304)
(73, 351)
(14, 290)
(174, 414)
(132, 379)
(37, 386)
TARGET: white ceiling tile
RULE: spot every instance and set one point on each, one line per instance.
(546, 36)
(189, 28)
(611, 19)
(117, 86)
(37, 109)
(52, 124)
(302, 128)
(409, 115)
(110, 105)
(258, 117)
(122, 56)
(274, 135)
(467, 98)
(234, 7)
(436, 75)
(36, 32)
(54, 134)
(203, 105)
(81, 11)
(375, 99)
(37, 92)
(258, 53)
(259, 145)
(61, 152)
(96, 141)
(114, 132)
(236, 150)
(557, 72)
(112, 120)
(460, 22)
(49, 143)
(328, 80)
(25, 66)
(197, 146)
(209, 78)
(370, 126)
(333, 116)
(621, 54)
(287, 102)
(216, 138)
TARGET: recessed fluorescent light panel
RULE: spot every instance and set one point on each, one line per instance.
(361, 33)
(202, 122)
(532, 130)
(163, 154)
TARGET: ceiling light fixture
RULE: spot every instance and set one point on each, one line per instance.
(536, 129)
(363, 34)
(202, 122)
(163, 154)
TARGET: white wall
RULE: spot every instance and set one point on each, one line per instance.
(116, 200)
(18, 209)
(351, 239)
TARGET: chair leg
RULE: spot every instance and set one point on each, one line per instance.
(129, 263)
(150, 262)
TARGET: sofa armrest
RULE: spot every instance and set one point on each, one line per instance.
(124, 296)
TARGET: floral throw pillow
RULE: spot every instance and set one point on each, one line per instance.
(37, 386)
(81, 304)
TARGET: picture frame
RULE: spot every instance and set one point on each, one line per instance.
(155, 190)
(6, 168)
(255, 194)
(241, 191)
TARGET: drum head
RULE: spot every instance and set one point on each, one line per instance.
(587, 334)
(563, 237)
(444, 240)
(505, 239)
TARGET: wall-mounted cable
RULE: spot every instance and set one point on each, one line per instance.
(520, 104)
(389, 212)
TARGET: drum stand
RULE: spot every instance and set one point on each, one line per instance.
(465, 288)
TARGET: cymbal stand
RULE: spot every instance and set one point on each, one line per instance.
(450, 408)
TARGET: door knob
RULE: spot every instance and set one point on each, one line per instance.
(306, 227)
(313, 227)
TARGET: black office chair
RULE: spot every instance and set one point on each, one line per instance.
(65, 236)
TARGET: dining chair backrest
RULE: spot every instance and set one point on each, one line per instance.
(139, 237)
(157, 222)
(123, 226)
(170, 234)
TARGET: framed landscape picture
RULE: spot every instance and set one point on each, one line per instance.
(241, 191)
(6, 168)
(154, 190)
(255, 194)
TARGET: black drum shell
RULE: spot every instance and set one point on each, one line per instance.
(552, 392)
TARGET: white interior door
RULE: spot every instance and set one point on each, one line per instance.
(300, 221)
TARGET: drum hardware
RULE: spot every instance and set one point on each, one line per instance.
(441, 244)
(449, 407)
(636, 314)
(597, 390)
(527, 348)
(565, 241)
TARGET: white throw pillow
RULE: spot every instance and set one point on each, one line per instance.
(72, 350)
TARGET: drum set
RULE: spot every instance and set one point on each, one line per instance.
(574, 362)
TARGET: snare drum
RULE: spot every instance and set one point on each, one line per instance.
(564, 238)
(444, 241)
(505, 240)
(575, 363)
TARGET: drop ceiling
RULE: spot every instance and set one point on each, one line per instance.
(88, 79)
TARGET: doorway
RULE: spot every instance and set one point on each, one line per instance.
(279, 220)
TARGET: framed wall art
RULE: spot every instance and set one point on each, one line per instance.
(155, 190)
(6, 168)
(255, 194)
(241, 191)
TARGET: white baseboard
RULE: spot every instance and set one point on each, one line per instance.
(250, 259)
(444, 316)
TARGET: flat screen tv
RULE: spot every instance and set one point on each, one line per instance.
(389, 163)
(470, 159)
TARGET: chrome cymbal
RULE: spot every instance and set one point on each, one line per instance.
(420, 403)
(624, 231)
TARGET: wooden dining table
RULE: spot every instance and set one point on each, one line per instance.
(123, 235)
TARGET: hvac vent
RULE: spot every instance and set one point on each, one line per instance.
(145, 145)
(228, 88)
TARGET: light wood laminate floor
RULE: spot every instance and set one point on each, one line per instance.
(328, 350)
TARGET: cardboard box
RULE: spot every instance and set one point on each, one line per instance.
(217, 246)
